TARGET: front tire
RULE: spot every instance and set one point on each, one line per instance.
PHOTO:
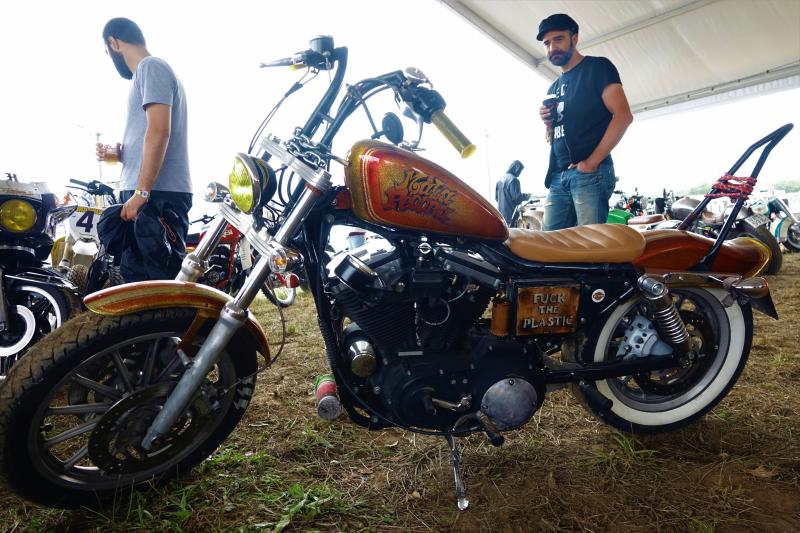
(661, 401)
(55, 421)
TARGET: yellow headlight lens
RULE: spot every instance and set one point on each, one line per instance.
(17, 215)
(245, 189)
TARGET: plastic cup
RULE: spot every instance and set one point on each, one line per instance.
(111, 154)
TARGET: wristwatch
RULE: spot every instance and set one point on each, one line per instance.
(143, 194)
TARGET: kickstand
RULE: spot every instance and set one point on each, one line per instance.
(455, 458)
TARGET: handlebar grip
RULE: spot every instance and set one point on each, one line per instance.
(453, 134)
(81, 183)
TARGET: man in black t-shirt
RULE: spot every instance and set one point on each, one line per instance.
(591, 116)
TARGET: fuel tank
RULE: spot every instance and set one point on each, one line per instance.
(393, 187)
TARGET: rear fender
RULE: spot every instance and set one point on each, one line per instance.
(754, 290)
(672, 250)
(146, 295)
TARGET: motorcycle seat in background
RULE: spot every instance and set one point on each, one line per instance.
(595, 243)
(645, 219)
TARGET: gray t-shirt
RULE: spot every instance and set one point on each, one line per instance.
(154, 82)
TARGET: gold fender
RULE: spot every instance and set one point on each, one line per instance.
(160, 294)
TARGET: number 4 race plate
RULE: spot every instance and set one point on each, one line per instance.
(83, 223)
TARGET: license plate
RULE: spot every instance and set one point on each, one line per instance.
(755, 221)
(546, 310)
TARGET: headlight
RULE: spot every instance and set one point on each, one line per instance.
(17, 215)
(243, 183)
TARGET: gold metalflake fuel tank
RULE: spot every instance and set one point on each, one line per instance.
(393, 187)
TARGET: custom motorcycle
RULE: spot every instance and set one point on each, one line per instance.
(33, 300)
(649, 330)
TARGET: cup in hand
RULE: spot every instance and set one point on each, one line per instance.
(551, 103)
(108, 153)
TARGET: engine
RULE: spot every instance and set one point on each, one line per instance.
(416, 348)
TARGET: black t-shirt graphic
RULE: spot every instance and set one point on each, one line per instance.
(582, 116)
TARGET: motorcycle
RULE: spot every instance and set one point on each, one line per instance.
(709, 223)
(80, 252)
(33, 300)
(784, 224)
(233, 258)
(650, 330)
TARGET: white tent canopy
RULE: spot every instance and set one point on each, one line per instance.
(668, 52)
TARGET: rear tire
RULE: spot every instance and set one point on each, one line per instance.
(763, 235)
(70, 381)
(650, 402)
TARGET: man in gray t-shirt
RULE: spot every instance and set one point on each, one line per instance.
(156, 186)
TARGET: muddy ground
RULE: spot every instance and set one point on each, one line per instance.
(737, 469)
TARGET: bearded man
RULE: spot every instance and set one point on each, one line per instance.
(155, 184)
(590, 117)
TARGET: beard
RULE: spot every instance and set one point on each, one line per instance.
(560, 59)
(119, 63)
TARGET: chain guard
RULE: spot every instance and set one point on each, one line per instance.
(115, 443)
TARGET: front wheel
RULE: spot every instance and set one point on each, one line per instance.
(792, 241)
(664, 400)
(35, 309)
(76, 408)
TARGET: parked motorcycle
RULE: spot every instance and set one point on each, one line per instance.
(783, 223)
(33, 300)
(644, 328)
(745, 223)
(231, 261)
(80, 252)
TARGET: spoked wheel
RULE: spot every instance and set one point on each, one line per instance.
(663, 400)
(35, 310)
(79, 404)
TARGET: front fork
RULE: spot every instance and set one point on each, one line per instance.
(3, 306)
(232, 317)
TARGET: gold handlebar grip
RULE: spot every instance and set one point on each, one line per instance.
(452, 134)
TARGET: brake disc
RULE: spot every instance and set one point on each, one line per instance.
(115, 443)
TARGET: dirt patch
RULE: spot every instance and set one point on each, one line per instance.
(737, 469)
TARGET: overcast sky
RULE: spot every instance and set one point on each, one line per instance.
(58, 89)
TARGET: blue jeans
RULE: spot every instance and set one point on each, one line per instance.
(576, 198)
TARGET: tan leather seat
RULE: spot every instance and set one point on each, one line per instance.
(596, 243)
(645, 219)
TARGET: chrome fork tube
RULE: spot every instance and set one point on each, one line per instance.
(196, 263)
(3, 308)
(232, 317)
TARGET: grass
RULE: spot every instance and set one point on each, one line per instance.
(283, 469)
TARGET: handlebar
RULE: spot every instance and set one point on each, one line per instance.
(452, 134)
(81, 183)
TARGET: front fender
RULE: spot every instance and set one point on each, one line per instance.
(146, 295)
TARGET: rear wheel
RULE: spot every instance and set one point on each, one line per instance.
(652, 402)
(75, 409)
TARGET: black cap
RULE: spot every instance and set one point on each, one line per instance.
(557, 22)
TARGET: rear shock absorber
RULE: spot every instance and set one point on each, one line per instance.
(668, 322)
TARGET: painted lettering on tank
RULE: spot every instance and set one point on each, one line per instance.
(421, 194)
